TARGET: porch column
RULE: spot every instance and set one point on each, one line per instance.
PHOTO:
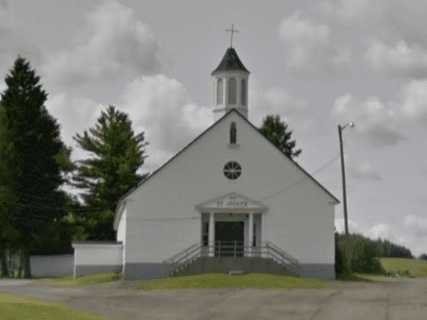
(211, 234)
(250, 233)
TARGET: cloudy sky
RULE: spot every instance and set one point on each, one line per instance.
(316, 63)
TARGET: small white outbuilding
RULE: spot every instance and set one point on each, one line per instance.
(229, 201)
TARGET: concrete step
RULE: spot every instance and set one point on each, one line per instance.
(228, 264)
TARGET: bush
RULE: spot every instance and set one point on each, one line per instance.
(356, 253)
(342, 265)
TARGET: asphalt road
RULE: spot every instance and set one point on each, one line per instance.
(401, 299)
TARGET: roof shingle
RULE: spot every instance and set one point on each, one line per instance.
(230, 62)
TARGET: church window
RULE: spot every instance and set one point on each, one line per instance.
(233, 133)
(219, 92)
(243, 92)
(232, 170)
(232, 91)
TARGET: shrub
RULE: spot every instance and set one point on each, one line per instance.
(342, 260)
(356, 253)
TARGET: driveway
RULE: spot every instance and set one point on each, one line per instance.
(400, 299)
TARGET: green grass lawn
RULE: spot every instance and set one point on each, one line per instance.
(84, 280)
(17, 308)
(218, 280)
(416, 267)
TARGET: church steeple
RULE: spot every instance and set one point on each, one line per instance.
(230, 85)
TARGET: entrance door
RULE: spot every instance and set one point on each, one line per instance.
(229, 238)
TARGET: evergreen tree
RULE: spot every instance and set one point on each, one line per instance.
(6, 194)
(116, 153)
(276, 130)
(34, 149)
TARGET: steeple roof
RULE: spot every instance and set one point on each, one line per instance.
(230, 62)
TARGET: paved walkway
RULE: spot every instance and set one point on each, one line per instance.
(400, 299)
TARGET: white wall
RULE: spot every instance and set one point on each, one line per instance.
(52, 265)
(96, 257)
(162, 219)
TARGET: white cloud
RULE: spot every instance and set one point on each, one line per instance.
(399, 59)
(274, 100)
(12, 42)
(304, 40)
(353, 12)
(158, 105)
(411, 232)
(74, 114)
(390, 34)
(417, 225)
(401, 234)
(4, 7)
(353, 226)
(414, 100)
(376, 122)
(381, 230)
(364, 171)
(162, 107)
(114, 47)
(116, 61)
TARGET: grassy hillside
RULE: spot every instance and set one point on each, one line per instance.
(218, 280)
(12, 307)
(416, 267)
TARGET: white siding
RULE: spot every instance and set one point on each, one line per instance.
(97, 254)
(161, 215)
(52, 265)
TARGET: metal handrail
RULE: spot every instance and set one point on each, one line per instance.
(235, 249)
(282, 252)
(181, 253)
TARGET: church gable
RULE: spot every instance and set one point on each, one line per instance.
(225, 129)
(231, 155)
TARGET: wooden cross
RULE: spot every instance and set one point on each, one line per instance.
(232, 32)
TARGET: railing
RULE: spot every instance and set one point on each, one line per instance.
(229, 249)
(235, 249)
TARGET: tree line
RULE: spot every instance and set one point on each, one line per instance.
(357, 253)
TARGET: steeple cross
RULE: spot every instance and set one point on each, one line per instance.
(232, 32)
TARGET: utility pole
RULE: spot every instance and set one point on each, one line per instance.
(344, 186)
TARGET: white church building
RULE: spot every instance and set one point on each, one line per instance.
(229, 201)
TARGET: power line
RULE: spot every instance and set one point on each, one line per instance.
(286, 188)
(39, 206)
(290, 186)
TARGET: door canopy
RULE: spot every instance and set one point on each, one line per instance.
(231, 202)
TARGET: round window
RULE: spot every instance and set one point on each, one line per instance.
(232, 170)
